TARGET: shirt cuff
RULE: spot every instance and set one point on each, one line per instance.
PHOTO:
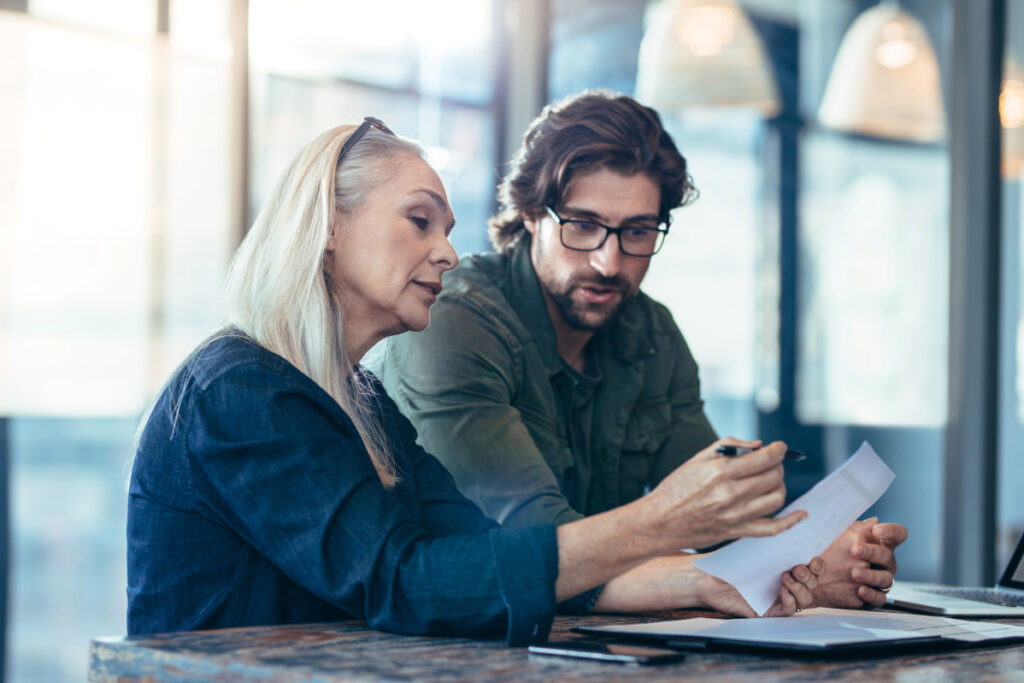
(581, 604)
(527, 562)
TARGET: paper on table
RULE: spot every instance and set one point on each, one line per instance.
(755, 565)
(925, 625)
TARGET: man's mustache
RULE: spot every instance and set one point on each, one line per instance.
(603, 282)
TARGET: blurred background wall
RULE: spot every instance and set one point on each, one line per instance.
(819, 279)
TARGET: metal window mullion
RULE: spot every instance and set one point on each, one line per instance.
(971, 445)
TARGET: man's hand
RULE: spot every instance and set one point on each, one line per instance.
(711, 498)
(860, 565)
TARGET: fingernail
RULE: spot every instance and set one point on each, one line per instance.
(859, 550)
(859, 573)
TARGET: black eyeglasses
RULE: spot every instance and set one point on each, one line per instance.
(368, 123)
(587, 235)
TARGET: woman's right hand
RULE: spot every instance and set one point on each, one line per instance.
(713, 498)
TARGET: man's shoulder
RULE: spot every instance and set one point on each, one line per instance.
(648, 317)
(476, 292)
(477, 272)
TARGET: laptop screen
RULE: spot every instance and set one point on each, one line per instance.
(1013, 577)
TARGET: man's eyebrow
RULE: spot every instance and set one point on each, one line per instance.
(442, 205)
(586, 213)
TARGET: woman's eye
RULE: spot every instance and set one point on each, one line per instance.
(421, 223)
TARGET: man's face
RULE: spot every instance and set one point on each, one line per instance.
(586, 289)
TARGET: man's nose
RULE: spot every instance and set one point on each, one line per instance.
(607, 260)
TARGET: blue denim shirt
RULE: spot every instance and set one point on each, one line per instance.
(253, 502)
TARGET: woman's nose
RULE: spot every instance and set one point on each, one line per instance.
(445, 255)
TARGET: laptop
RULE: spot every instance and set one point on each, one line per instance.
(1006, 599)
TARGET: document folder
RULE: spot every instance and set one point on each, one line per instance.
(817, 631)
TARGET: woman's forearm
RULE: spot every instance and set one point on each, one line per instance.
(667, 582)
(594, 550)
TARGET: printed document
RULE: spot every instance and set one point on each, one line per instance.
(755, 565)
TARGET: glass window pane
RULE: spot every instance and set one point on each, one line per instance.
(122, 16)
(114, 233)
(715, 246)
(873, 256)
(441, 48)
(68, 571)
(1011, 464)
(459, 138)
(874, 288)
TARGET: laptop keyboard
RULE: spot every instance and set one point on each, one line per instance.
(991, 597)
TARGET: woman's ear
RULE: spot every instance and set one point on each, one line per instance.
(332, 238)
(531, 225)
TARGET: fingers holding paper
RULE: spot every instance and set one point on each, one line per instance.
(795, 593)
(797, 589)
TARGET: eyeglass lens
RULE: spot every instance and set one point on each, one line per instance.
(587, 236)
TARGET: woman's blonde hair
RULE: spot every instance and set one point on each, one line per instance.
(279, 291)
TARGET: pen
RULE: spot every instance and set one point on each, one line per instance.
(731, 451)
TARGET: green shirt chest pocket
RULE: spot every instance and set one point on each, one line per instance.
(648, 426)
(647, 430)
(552, 443)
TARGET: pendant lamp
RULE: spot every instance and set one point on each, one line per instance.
(885, 79)
(1011, 114)
(703, 53)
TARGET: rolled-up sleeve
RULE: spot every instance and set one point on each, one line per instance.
(294, 480)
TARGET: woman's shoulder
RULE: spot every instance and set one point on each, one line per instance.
(227, 351)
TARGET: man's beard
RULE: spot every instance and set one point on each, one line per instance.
(574, 314)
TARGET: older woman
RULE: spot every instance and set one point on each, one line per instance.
(275, 481)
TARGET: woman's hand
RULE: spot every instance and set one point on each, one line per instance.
(797, 590)
(713, 498)
(795, 593)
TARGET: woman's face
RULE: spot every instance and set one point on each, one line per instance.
(386, 258)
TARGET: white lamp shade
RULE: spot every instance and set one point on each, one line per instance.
(885, 80)
(703, 53)
(1011, 114)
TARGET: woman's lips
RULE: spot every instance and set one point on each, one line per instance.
(432, 288)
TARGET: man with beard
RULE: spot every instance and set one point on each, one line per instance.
(547, 383)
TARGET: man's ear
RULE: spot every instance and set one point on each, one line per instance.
(531, 225)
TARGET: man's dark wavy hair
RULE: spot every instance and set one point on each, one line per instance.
(582, 133)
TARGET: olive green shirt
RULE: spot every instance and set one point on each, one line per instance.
(489, 396)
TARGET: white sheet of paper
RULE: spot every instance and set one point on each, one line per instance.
(755, 565)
